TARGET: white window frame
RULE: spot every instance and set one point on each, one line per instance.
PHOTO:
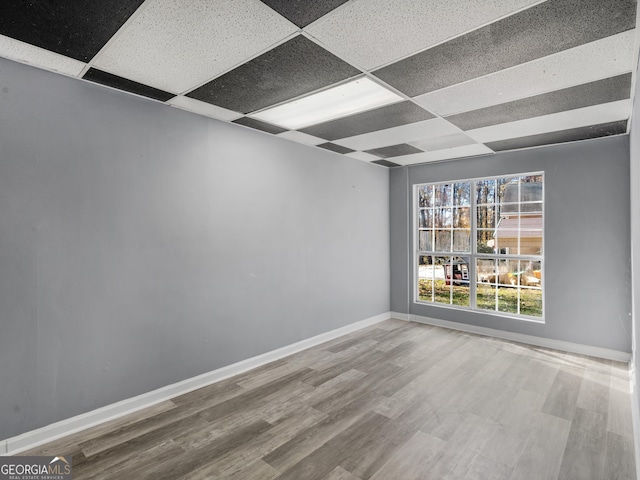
(473, 255)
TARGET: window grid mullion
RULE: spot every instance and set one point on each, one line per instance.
(473, 277)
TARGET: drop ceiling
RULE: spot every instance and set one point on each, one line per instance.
(469, 77)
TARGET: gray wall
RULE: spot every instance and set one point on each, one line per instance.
(634, 135)
(141, 245)
(587, 270)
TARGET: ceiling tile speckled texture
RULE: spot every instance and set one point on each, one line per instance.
(335, 148)
(563, 136)
(580, 117)
(586, 63)
(594, 93)
(76, 29)
(294, 68)
(375, 32)
(258, 125)
(385, 163)
(542, 30)
(474, 77)
(176, 45)
(370, 121)
(394, 150)
(110, 80)
(303, 12)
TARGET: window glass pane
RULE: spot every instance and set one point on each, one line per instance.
(462, 193)
(506, 241)
(507, 211)
(425, 218)
(441, 289)
(531, 188)
(531, 273)
(507, 189)
(508, 271)
(425, 240)
(462, 241)
(425, 196)
(462, 217)
(443, 217)
(425, 289)
(442, 292)
(443, 240)
(486, 242)
(425, 278)
(457, 275)
(508, 299)
(531, 302)
(442, 193)
(533, 223)
(486, 270)
(486, 216)
(485, 191)
(486, 296)
(530, 243)
(531, 208)
(425, 263)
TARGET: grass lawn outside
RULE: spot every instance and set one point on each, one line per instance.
(530, 300)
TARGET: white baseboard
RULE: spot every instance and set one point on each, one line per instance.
(529, 339)
(400, 316)
(40, 436)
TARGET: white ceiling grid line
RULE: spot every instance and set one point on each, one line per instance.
(235, 60)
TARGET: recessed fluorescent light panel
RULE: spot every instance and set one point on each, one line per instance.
(346, 99)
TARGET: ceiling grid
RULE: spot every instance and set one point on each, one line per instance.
(473, 78)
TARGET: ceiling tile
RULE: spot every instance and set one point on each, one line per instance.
(202, 108)
(394, 150)
(446, 154)
(367, 157)
(294, 68)
(303, 12)
(334, 148)
(74, 28)
(39, 57)
(541, 30)
(378, 119)
(258, 125)
(301, 137)
(105, 78)
(443, 141)
(581, 117)
(176, 45)
(376, 32)
(563, 136)
(593, 61)
(385, 163)
(594, 93)
(409, 133)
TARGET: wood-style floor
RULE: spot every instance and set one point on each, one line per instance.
(396, 401)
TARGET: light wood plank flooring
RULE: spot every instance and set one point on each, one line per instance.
(396, 401)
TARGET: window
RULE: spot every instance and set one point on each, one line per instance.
(479, 244)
